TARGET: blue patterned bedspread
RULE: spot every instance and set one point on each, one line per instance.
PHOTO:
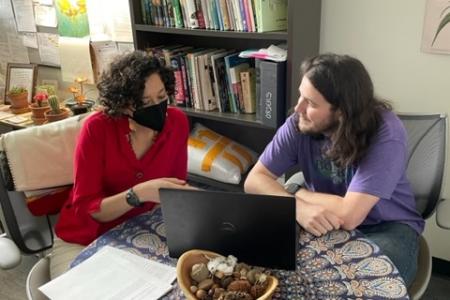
(339, 265)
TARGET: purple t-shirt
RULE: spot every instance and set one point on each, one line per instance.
(381, 172)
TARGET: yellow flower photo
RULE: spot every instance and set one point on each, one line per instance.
(72, 18)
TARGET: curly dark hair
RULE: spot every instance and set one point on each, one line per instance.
(123, 84)
(345, 83)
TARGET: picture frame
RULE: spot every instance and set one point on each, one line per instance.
(436, 27)
(24, 75)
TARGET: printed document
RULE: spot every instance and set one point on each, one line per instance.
(112, 273)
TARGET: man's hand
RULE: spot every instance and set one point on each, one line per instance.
(316, 219)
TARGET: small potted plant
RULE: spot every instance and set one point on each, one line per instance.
(79, 104)
(19, 99)
(47, 88)
(39, 106)
(55, 113)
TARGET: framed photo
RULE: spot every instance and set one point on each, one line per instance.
(20, 75)
(436, 28)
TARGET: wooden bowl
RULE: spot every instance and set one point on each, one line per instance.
(192, 257)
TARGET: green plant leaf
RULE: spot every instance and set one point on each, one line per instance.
(443, 11)
(442, 24)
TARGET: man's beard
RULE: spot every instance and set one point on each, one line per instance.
(324, 129)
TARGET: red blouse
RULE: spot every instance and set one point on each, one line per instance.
(105, 165)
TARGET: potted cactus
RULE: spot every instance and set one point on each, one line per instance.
(46, 88)
(19, 99)
(39, 106)
(55, 113)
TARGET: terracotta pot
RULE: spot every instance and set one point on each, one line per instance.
(51, 117)
(39, 121)
(38, 111)
(19, 103)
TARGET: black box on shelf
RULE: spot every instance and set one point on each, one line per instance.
(271, 92)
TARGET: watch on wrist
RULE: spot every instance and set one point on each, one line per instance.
(292, 188)
(132, 198)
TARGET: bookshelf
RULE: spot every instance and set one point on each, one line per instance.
(301, 37)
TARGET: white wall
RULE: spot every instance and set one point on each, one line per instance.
(386, 36)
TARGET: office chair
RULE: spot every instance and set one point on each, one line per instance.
(427, 147)
(25, 233)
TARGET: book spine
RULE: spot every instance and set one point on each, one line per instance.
(206, 14)
(214, 23)
(253, 15)
(247, 15)
(231, 15)
(177, 14)
(242, 13)
(191, 14)
(201, 81)
(199, 14)
(187, 99)
(184, 13)
(198, 99)
(258, 14)
(219, 14)
(144, 11)
(258, 89)
(235, 86)
(208, 92)
(248, 94)
(179, 89)
(272, 85)
(149, 12)
(236, 15)
(159, 12)
(272, 15)
(225, 16)
(165, 13)
(171, 13)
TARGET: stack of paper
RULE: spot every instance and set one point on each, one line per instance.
(112, 273)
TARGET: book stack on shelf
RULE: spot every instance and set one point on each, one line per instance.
(236, 15)
(220, 80)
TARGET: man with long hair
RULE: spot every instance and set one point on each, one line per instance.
(352, 151)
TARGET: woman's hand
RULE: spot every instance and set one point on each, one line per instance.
(149, 190)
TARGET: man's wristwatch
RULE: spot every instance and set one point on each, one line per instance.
(292, 188)
(133, 199)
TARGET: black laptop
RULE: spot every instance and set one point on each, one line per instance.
(258, 229)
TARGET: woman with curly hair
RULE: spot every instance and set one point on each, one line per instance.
(124, 154)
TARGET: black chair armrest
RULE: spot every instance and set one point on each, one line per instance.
(443, 214)
(6, 172)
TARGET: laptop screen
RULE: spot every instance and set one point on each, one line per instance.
(257, 229)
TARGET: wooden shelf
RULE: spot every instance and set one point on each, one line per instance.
(275, 35)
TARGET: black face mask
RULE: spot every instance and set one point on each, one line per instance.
(152, 117)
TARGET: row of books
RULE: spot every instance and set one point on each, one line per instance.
(237, 15)
(220, 80)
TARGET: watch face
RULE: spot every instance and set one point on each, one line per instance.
(292, 188)
(132, 198)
